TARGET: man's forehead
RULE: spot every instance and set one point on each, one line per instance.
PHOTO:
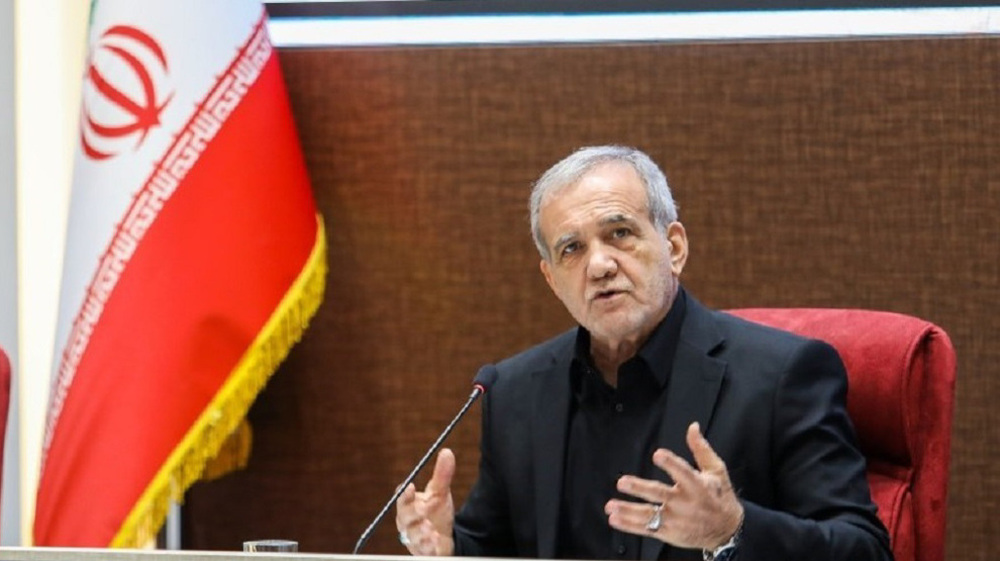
(616, 218)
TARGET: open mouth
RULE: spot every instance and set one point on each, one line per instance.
(606, 295)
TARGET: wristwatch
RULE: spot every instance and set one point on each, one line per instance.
(726, 551)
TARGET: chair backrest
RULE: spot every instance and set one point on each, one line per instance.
(901, 388)
(4, 403)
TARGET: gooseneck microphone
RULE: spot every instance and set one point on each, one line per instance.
(482, 382)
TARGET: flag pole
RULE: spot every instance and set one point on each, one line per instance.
(173, 526)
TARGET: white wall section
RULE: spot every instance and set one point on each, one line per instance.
(10, 503)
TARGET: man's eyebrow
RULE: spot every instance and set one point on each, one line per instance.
(564, 239)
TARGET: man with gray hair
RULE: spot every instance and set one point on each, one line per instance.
(657, 429)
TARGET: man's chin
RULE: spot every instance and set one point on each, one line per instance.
(621, 330)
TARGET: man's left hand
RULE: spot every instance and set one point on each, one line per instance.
(699, 511)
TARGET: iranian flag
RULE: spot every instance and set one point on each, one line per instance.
(195, 257)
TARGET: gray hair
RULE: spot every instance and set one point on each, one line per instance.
(662, 209)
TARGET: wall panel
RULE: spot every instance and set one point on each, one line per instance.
(837, 174)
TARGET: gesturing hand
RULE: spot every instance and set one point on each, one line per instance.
(426, 518)
(700, 510)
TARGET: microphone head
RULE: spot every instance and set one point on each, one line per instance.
(485, 377)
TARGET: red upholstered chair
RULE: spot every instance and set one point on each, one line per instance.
(901, 376)
(4, 401)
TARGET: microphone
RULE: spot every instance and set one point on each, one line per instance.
(484, 379)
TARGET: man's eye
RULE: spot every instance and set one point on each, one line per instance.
(569, 249)
(619, 233)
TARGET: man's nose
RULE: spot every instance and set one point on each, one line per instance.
(601, 264)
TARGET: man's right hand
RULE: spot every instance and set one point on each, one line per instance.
(426, 518)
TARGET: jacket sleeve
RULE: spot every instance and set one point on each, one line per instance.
(823, 507)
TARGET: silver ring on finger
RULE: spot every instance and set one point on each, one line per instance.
(655, 520)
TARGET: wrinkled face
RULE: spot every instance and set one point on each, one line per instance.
(610, 266)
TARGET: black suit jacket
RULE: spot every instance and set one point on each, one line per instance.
(771, 404)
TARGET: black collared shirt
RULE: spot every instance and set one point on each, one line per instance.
(613, 431)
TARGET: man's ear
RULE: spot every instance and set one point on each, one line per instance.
(678, 247)
(547, 273)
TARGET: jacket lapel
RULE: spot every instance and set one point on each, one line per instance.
(551, 415)
(694, 387)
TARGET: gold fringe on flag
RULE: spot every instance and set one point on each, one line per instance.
(186, 464)
(234, 454)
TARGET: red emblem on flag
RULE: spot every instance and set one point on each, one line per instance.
(123, 91)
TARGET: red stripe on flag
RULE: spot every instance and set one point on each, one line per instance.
(206, 276)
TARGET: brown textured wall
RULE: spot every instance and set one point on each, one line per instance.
(840, 174)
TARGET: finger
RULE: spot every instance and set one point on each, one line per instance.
(406, 508)
(645, 489)
(407, 496)
(629, 516)
(444, 471)
(704, 456)
(676, 467)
